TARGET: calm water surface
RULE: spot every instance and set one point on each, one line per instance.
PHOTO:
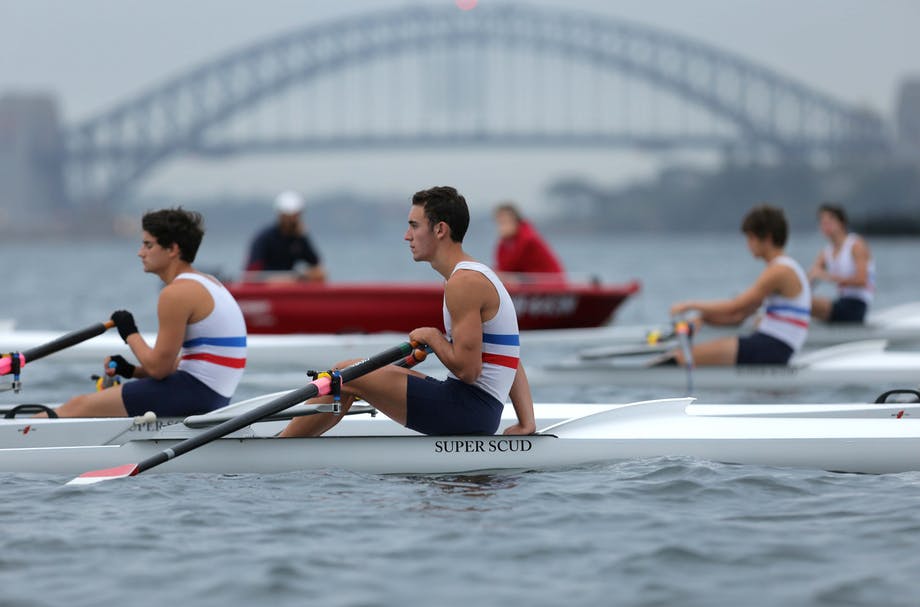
(650, 532)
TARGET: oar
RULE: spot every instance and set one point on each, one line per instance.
(55, 345)
(602, 352)
(656, 341)
(318, 387)
(682, 329)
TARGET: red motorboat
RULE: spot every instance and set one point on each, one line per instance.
(306, 307)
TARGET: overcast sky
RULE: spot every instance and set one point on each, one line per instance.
(94, 53)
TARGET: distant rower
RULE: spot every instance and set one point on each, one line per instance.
(782, 289)
(848, 263)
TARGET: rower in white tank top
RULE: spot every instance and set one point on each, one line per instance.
(784, 318)
(844, 265)
(214, 348)
(501, 346)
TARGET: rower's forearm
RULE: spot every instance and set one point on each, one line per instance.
(723, 319)
(850, 281)
(522, 400)
(720, 313)
(465, 365)
(152, 363)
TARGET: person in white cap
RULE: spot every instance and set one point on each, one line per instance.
(282, 245)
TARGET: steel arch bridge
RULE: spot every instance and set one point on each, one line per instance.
(109, 153)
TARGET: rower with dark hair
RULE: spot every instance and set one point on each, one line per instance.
(481, 348)
(200, 350)
(847, 262)
(782, 289)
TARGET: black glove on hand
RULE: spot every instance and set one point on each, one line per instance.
(122, 367)
(124, 321)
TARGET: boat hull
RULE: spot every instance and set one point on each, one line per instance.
(292, 307)
(866, 363)
(845, 438)
(468, 454)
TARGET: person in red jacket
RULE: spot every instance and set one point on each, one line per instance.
(520, 249)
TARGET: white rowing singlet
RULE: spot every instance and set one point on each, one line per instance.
(214, 348)
(501, 344)
(844, 265)
(786, 318)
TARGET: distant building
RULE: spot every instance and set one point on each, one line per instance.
(32, 191)
(908, 118)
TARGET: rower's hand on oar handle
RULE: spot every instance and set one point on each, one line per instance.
(107, 380)
(425, 336)
(117, 365)
(419, 354)
(124, 321)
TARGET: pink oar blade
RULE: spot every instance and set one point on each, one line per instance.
(97, 476)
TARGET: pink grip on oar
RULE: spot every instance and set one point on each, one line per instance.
(6, 363)
(322, 385)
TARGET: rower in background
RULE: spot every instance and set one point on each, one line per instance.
(521, 249)
(280, 247)
(782, 289)
(847, 262)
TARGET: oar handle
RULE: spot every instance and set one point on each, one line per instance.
(65, 341)
(315, 388)
(417, 356)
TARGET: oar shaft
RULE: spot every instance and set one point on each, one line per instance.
(315, 388)
(232, 425)
(65, 341)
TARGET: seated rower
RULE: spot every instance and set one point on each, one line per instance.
(846, 262)
(782, 288)
(279, 250)
(200, 351)
(481, 349)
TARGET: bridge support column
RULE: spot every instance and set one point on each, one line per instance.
(908, 117)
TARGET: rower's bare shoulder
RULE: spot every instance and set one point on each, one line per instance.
(466, 284)
(860, 246)
(464, 279)
(179, 291)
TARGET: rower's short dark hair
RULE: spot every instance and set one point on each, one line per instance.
(834, 209)
(176, 226)
(765, 220)
(444, 203)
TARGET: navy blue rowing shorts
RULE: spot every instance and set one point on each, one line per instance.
(848, 309)
(177, 395)
(762, 349)
(450, 406)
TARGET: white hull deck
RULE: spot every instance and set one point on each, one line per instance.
(33, 432)
(880, 438)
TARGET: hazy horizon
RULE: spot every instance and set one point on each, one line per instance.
(95, 53)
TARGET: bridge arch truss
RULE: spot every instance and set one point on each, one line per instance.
(109, 153)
